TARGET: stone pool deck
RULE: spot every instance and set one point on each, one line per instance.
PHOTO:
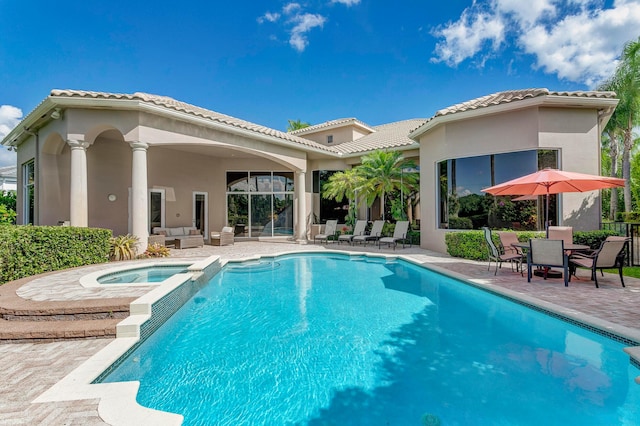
(28, 369)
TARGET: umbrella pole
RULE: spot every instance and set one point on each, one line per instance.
(546, 222)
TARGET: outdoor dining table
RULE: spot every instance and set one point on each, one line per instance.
(567, 247)
(550, 272)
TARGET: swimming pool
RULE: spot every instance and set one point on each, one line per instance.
(322, 339)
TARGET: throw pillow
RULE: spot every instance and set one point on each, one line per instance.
(161, 233)
(194, 232)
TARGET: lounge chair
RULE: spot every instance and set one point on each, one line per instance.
(507, 244)
(329, 232)
(374, 235)
(399, 234)
(547, 254)
(610, 255)
(358, 229)
(495, 255)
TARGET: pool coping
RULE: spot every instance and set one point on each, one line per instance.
(118, 405)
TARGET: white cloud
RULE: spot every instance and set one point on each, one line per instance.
(10, 116)
(271, 17)
(299, 23)
(347, 3)
(468, 36)
(577, 40)
(303, 24)
(291, 8)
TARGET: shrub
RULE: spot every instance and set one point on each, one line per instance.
(156, 250)
(460, 222)
(27, 250)
(123, 247)
(471, 244)
(7, 216)
(466, 244)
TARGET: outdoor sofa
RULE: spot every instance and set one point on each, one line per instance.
(181, 237)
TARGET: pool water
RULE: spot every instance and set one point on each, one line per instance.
(324, 340)
(149, 274)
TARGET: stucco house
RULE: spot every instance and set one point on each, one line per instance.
(131, 162)
(8, 179)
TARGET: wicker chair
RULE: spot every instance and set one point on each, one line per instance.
(223, 238)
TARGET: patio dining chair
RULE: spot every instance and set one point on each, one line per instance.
(610, 255)
(329, 232)
(547, 254)
(496, 255)
(508, 240)
(564, 233)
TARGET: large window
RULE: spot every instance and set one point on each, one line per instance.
(28, 179)
(463, 205)
(329, 208)
(260, 204)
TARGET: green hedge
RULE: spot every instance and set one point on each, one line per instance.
(31, 250)
(471, 245)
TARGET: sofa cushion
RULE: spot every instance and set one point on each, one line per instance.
(158, 230)
(227, 229)
(175, 231)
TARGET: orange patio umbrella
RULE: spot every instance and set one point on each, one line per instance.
(553, 181)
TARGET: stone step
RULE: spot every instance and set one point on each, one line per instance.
(15, 308)
(48, 331)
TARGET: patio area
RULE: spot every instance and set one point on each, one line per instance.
(31, 368)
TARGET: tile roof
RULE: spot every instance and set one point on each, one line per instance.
(330, 124)
(509, 96)
(170, 103)
(391, 135)
(516, 95)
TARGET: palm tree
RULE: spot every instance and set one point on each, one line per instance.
(627, 84)
(384, 174)
(344, 184)
(297, 125)
(613, 143)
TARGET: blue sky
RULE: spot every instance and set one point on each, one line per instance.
(317, 60)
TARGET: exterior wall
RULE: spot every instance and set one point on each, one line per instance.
(340, 135)
(577, 134)
(573, 131)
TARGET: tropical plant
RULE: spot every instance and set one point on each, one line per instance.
(156, 250)
(296, 125)
(345, 184)
(384, 174)
(123, 247)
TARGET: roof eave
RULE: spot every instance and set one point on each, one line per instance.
(16, 136)
(604, 104)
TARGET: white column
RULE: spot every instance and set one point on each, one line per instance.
(79, 206)
(139, 195)
(301, 210)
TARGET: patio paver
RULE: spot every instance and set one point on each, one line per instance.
(29, 369)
